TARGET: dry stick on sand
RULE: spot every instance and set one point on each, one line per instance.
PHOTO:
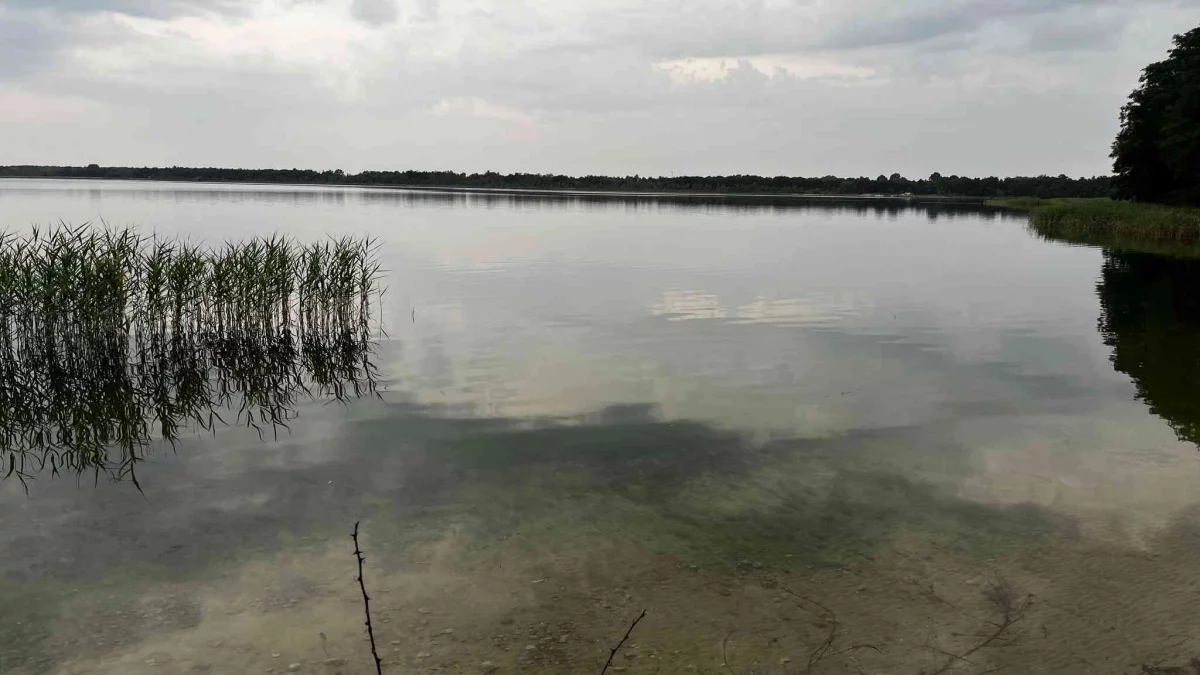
(367, 603)
(622, 642)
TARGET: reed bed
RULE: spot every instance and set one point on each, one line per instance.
(1105, 222)
(110, 340)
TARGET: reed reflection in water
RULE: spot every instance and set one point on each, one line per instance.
(111, 341)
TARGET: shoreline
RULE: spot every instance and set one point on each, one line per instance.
(914, 199)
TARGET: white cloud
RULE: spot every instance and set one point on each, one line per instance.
(475, 107)
(615, 86)
(374, 11)
(708, 69)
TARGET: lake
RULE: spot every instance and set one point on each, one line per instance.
(803, 435)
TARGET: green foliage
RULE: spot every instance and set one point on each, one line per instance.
(1019, 203)
(935, 185)
(1156, 156)
(109, 340)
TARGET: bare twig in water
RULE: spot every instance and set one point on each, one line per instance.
(629, 632)
(823, 649)
(1156, 668)
(1002, 595)
(932, 594)
(854, 648)
(367, 604)
(725, 653)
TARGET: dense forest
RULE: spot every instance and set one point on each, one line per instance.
(937, 184)
(1156, 157)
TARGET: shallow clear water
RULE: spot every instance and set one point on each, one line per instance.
(696, 406)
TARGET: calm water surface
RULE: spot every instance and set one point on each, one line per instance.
(701, 407)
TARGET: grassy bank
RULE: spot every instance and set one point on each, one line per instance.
(1104, 222)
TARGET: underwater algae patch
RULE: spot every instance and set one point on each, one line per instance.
(693, 490)
(904, 564)
(444, 606)
(560, 555)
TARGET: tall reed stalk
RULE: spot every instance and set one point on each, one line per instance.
(110, 340)
(1153, 228)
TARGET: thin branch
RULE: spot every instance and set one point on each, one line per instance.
(952, 655)
(367, 603)
(822, 650)
(854, 648)
(933, 595)
(1000, 594)
(725, 653)
(629, 632)
(963, 657)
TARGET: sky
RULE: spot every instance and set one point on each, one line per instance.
(649, 87)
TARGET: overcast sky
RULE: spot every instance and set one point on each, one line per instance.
(798, 87)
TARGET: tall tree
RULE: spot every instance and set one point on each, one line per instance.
(1156, 157)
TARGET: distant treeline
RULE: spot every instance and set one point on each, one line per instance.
(936, 184)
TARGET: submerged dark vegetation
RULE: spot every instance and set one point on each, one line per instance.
(111, 341)
(895, 184)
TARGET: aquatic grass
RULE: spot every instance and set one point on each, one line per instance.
(1155, 228)
(110, 340)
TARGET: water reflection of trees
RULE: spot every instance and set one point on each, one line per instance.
(932, 208)
(1151, 319)
(110, 342)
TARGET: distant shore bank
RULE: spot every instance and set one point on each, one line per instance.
(895, 186)
(946, 199)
